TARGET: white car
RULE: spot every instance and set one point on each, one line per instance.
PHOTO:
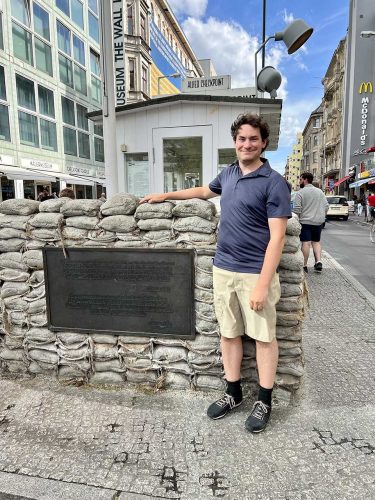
(338, 207)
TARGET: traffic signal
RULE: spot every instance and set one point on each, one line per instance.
(352, 174)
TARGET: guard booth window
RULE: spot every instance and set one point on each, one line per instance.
(182, 163)
(225, 157)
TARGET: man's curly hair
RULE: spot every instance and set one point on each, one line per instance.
(254, 121)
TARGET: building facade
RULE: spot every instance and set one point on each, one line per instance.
(294, 162)
(359, 101)
(312, 160)
(50, 79)
(332, 104)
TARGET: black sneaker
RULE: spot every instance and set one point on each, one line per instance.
(318, 266)
(305, 269)
(222, 406)
(258, 418)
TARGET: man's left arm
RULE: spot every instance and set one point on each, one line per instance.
(272, 257)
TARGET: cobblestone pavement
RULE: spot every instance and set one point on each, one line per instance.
(63, 442)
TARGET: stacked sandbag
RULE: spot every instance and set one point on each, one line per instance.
(136, 358)
(107, 367)
(195, 222)
(14, 217)
(41, 350)
(81, 219)
(119, 210)
(290, 310)
(26, 344)
(155, 222)
(75, 351)
(45, 228)
(14, 276)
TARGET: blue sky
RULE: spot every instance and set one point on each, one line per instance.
(229, 32)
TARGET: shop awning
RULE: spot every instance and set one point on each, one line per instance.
(72, 179)
(16, 173)
(361, 182)
(337, 183)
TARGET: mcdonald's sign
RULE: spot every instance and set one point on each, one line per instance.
(365, 87)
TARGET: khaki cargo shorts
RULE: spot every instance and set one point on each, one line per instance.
(232, 305)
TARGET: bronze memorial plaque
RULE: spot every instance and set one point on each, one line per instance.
(121, 291)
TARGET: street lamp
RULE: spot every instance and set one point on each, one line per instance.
(173, 75)
(367, 34)
(294, 36)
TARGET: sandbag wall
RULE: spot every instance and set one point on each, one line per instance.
(26, 344)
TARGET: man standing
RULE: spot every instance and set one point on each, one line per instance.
(255, 206)
(371, 204)
(311, 206)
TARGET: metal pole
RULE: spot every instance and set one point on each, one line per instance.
(109, 114)
(264, 34)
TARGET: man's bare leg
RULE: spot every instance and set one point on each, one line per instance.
(267, 354)
(306, 251)
(232, 353)
(317, 249)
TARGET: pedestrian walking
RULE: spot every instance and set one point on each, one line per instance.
(361, 205)
(311, 206)
(255, 206)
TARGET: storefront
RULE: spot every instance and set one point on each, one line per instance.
(181, 141)
(34, 176)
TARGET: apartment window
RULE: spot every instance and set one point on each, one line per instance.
(77, 12)
(315, 140)
(1, 32)
(93, 27)
(98, 143)
(30, 46)
(143, 27)
(21, 11)
(4, 112)
(63, 5)
(43, 56)
(132, 74)
(79, 50)
(99, 149)
(316, 122)
(63, 38)
(72, 9)
(41, 21)
(96, 86)
(93, 5)
(75, 129)
(71, 62)
(36, 115)
(130, 20)
(144, 80)
(22, 47)
(315, 157)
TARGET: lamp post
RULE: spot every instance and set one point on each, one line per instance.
(294, 36)
(367, 34)
(173, 75)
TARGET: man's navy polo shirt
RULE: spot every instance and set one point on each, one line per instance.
(247, 202)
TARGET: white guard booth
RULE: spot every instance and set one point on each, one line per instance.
(181, 141)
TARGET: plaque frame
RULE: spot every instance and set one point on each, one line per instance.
(190, 254)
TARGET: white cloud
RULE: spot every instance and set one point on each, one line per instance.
(288, 18)
(195, 8)
(293, 119)
(231, 49)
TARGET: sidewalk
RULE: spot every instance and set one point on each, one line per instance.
(63, 442)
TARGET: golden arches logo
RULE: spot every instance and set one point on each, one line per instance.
(365, 87)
